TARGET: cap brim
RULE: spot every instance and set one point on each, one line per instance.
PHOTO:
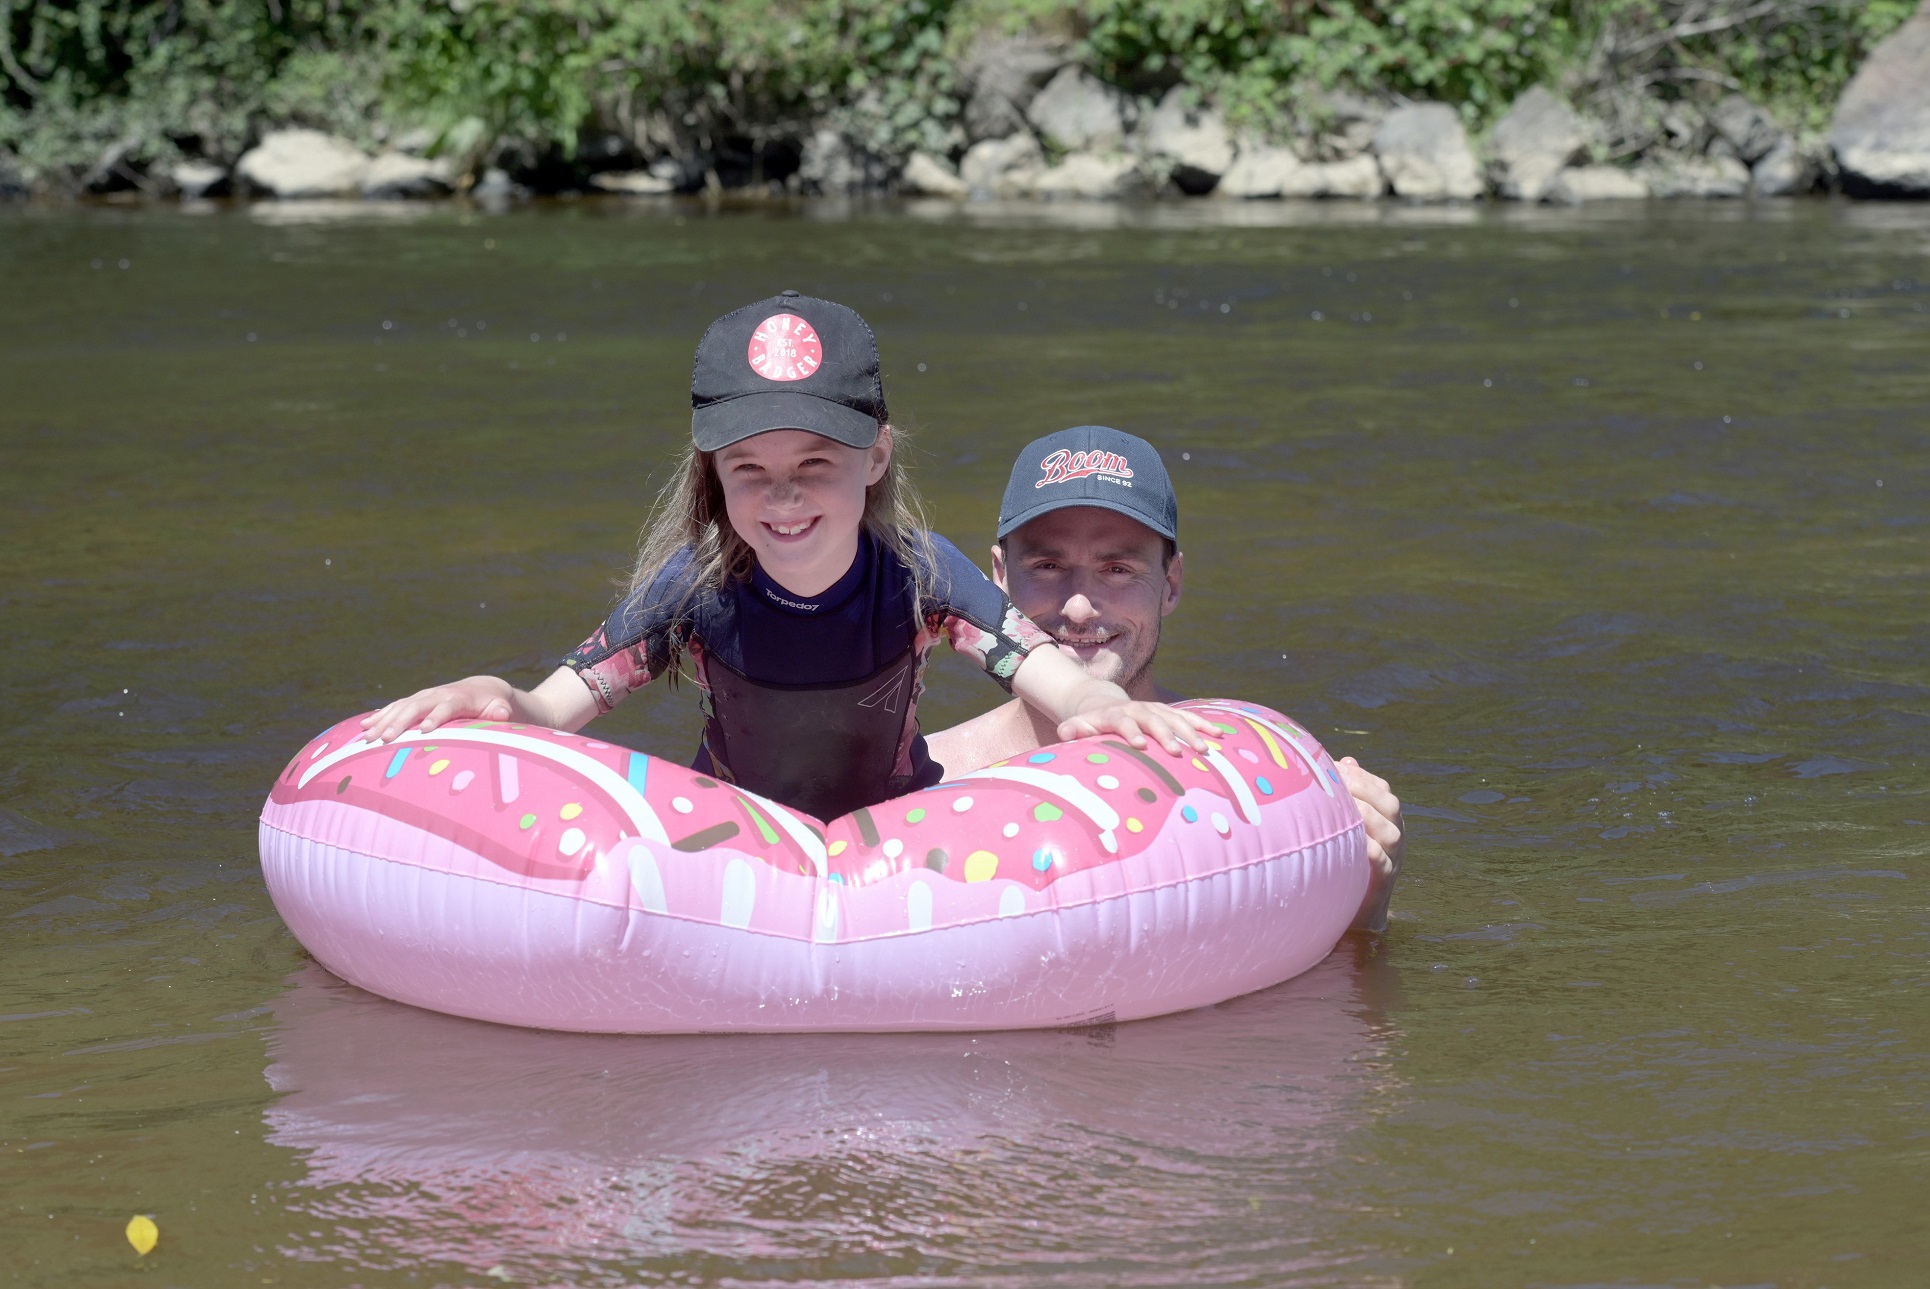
(1020, 520)
(720, 424)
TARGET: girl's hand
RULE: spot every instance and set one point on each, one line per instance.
(1139, 724)
(479, 697)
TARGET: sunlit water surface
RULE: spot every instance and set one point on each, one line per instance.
(1602, 534)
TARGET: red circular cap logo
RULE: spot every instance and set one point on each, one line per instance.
(785, 348)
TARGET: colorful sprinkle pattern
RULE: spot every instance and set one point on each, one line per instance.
(527, 806)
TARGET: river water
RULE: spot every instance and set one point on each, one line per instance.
(1601, 534)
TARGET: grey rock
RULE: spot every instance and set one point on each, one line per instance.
(1004, 74)
(1350, 121)
(496, 187)
(633, 183)
(1784, 172)
(1680, 176)
(1750, 132)
(1092, 175)
(415, 142)
(303, 163)
(196, 179)
(1001, 167)
(1193, 141)
(928, 176)
(1881, 132)
(1581, 184)
(1260, 170)
(1080, 114)
(13, 183)
(397, 174)
(836, 167)
(1359, 178)
(1425, 155)
(1534, 141)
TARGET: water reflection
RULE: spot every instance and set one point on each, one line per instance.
(1097, 1156)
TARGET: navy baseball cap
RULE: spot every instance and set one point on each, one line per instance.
(787, 363)
(1090, 465)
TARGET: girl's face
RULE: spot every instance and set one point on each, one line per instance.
(798, 499)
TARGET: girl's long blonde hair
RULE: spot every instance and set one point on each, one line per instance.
(690, 512)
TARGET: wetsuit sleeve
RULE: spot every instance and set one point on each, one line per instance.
(638, 642)
(968, 610)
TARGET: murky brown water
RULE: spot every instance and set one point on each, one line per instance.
(1643, 643)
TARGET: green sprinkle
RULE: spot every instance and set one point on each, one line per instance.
(529, 821)
(1097, 758)
(915, 816)
(1045, 813)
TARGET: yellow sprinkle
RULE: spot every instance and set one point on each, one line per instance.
(142, 1233)
(571, 811)
(439, 766)
(1279, 757)
(835, 848)
(1198, 764)
(980, 866)
(1210, 743)
(1133, 825)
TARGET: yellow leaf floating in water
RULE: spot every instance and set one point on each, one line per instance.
(142, 1234)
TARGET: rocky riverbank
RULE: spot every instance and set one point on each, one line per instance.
(1033, 122)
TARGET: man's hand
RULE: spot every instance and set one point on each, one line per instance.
(1380, 811)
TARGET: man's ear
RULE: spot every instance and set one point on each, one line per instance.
(998, 567)
(1175, 578)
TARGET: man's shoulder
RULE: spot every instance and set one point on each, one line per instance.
(1005, 731)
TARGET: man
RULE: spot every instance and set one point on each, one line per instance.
(1088, 549)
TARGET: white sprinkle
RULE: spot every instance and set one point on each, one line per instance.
(681, 805)
(571, 841)
(962, 804)
(1108, 782)
(1011, 830)
(894, 848)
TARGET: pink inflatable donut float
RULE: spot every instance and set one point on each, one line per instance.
(516, 874)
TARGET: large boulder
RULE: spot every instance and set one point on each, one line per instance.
(303, 163)
(1004, 74)
(1582, 184)
(1881, 133)
(1272, 171)
(633, 183)
(1535, 139)
(834, 165)
(1784, 171)
(1191, 141)
(398, 174)
(1711, 176)
(929, 176)
(1001, 167)
(1349, 122)
(1425, 155)
(1092, 175)
(1745, 129)
(1079, 113)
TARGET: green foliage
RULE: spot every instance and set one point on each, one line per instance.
(87, 86)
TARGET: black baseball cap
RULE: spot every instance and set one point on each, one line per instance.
(787, 363)
(1090, 465)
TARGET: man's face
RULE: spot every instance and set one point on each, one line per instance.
(1096, 581)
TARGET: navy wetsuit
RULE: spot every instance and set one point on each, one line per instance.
(810, 701)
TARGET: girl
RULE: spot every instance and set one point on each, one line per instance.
(790, 563)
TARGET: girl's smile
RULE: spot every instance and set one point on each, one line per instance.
(798, 499)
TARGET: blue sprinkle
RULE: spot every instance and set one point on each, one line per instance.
(395, 762)
(1263, 785)
(1040, 758)
(838, 878)
(1042, 859)
(639, 771)
(1189, 814)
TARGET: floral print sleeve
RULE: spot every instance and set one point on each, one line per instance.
(637, 643)
(970, 612)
